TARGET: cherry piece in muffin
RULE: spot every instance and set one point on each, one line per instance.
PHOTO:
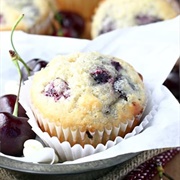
(57, 88)
(100, 76)
(116, 65)
(146, 19)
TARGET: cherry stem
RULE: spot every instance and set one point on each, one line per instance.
(17, 55)
(167, 176)
(15, 59)
(161, 172)
(58, 17)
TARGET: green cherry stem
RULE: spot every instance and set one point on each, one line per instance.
(167, 176)
(15, 59)
(17, 55)
(161, 172)
(57, 16)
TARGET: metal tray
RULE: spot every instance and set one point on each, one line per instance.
(13, 169)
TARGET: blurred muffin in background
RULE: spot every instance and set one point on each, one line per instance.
(113, 14)
(84, 9)
(38, 15)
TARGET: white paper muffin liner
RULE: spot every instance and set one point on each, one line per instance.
(64, 149)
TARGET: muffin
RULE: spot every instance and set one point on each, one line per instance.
(87, 98)
(38, 15)
(114, 14)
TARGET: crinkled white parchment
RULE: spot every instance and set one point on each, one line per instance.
(152, 49)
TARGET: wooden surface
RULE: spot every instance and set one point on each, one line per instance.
(172, 168)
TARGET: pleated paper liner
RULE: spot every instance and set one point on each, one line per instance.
(64, 149)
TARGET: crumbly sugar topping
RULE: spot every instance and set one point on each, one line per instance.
(89, 86)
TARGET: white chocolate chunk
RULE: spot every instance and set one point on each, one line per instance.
(36, 153)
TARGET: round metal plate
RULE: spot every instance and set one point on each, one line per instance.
(85, 170)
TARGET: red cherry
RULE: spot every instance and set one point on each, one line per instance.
(35, 65)
(14, 131)
(7, 103)
(69, 32)
(72, 24)
(172, 82)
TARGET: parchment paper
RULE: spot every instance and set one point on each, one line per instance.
(152, 49)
